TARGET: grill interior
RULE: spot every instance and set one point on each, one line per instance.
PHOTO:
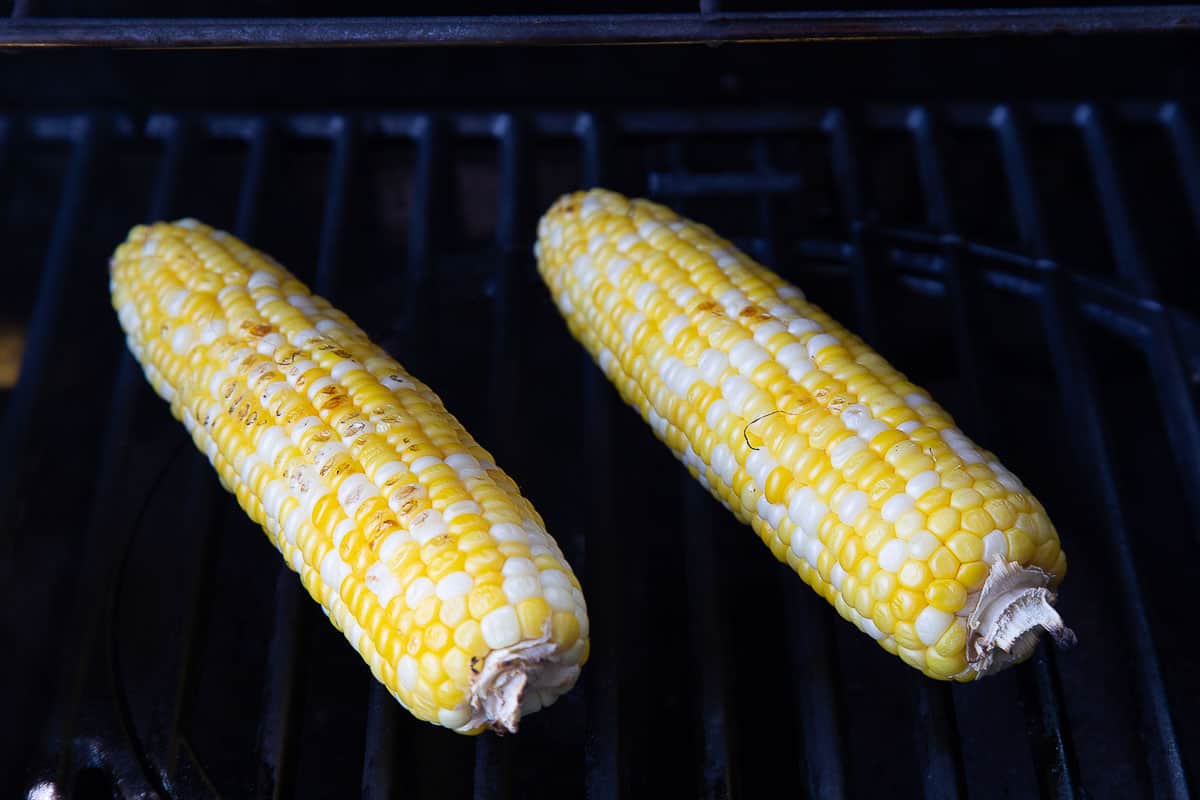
(1027, 264)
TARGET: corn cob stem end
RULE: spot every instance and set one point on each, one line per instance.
(508, 676)
(1015, 606)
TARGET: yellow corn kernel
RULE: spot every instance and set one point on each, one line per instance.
(906, 604)
(943, 564)
(906, 636)
(944, 522)
(953, 640)
(965, 547)
(468, 637)
(485, 599)
(1020, 547)
(532, 613)
(972, 575)
(946, 595)
(945, 666)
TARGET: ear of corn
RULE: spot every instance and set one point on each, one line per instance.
(418, 547)
(845, 469)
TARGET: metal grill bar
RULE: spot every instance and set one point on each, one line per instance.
(103, 542)
(602, 761)
(592, 29)
(725, 183)
(45, 315)
(424, 222)
(383, 712)
(493, 756)
(276, 722)
(1121, 237)
(1076, 384)
(707, 617)
(380, 751)
(344, 134)
(818, 691)
(1043, 699)
(1053, 750)
(1182, 133)
(937, 737)
(1023, 199)
(938, 750)
(1177, 403)
(1166, 766)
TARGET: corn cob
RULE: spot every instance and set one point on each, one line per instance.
(419, 549)
(846, 470)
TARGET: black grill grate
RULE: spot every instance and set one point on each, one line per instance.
(271, 24)
(182, 658)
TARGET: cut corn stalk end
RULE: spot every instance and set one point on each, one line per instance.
(517, 680)
(1015, 606)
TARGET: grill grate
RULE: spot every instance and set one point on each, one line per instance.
(186, 669)
(135, 25)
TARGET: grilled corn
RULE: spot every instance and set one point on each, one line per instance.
(418, 547)
(847, 471)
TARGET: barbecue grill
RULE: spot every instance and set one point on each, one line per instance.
(1011, 221)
